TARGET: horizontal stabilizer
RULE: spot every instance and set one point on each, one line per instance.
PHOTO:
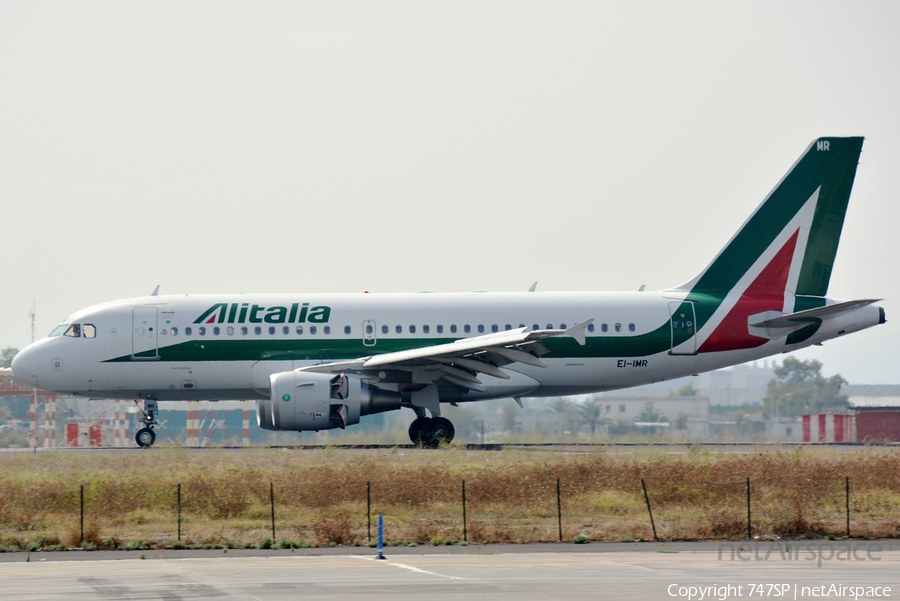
(802, 318)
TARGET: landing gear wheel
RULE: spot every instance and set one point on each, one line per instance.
(439, 430)
(145, 437)
(416, 430)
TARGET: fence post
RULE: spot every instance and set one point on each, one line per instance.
(848, 506)
(272, 500)
(369, 510)
(179, 511)
(749, 530)
(559, 509)
(647, 498)
(465, 532)
(82, 514)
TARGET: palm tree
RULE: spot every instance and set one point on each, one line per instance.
(591, 414)
(564, 410)
(652, 414)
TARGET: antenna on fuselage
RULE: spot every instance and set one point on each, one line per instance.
(155, 291)
(533, 287)
(32, 316)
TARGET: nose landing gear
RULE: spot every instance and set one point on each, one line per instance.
(145, 437)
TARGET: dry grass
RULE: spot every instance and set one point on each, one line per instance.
(321, 496)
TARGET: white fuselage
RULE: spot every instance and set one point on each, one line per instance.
(154, 347)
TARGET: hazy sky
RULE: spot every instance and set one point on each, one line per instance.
(406, 146)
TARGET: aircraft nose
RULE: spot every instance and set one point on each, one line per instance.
(24, 366)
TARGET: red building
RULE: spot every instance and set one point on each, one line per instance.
(877, 418)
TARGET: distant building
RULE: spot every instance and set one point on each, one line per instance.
(744, 384)
(877, 418)
(629, 409)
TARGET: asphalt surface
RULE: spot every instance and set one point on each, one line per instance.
(521, 572)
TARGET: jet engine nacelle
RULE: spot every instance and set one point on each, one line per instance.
(309, 401)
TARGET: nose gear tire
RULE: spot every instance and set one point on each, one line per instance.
(145, 437)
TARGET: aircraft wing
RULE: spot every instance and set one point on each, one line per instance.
(460, 362)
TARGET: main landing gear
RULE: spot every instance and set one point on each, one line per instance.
(430, 432)
(145, 437)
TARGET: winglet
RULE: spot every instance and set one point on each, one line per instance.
(577, 331)
(155, 291)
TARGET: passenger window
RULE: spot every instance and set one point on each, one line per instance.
(347, 329)
(480, 329)
(89, 331)
(175, 331)
(426, 329)
(188, 331)
(229, 330)
(299, 330)
(312, 330)
(618, 327)
(244, 330)
(74, 331)
(467, 328)
(285, 330)
(508, 327)
(216, 330)
(535, 327)
(604, 327)
(631, 327)
(440, 329)
(201, 330)
(521, 325)
(562, 326)
(384, 329)
(271, 330)
(399, 329)
(590, 327)
(495, 329)
(369, 329)
(326, 330)
(412, 329)
(257, 330)
(549, 326)
(453, 328)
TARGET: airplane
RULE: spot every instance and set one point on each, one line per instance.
(320, 361)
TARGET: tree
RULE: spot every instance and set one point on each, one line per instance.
(565, 412)
(652, 414)
(686, 390)
(799, 387)
(6, 356)
(508, 416)
(591, 414)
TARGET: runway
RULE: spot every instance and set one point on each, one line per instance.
(653, 571)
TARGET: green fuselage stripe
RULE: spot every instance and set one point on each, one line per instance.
(330, 349)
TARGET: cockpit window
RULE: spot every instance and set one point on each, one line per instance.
(89, 331)
(58, 330)
(74, 331)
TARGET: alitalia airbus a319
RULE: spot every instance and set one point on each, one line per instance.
(320, 361)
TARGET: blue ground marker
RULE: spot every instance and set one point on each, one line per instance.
(380, 537)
